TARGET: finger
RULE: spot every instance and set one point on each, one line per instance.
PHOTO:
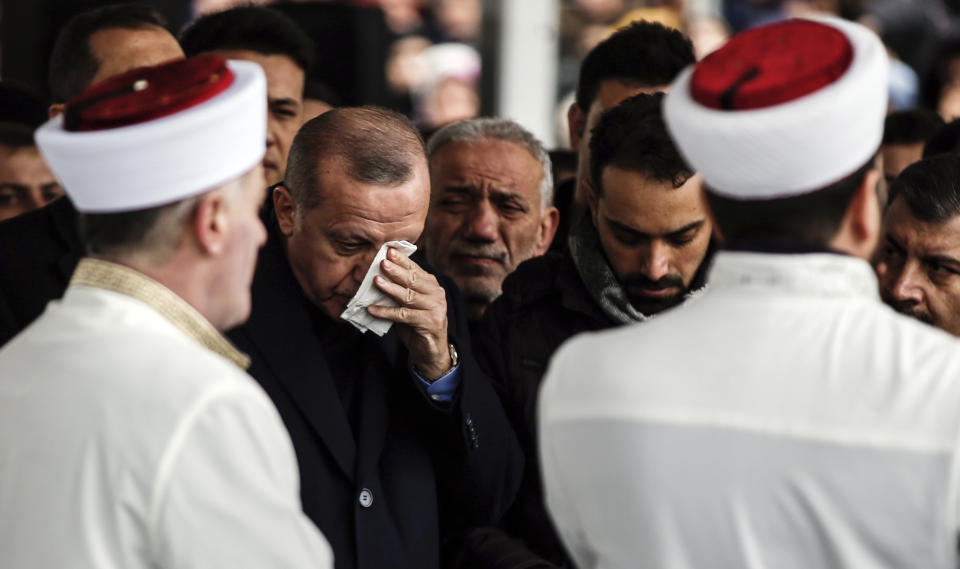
(411, 276)
(397, 257)
(406, 296)
(399, 314)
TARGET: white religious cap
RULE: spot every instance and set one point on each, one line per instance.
(157, 135)
(782, 110)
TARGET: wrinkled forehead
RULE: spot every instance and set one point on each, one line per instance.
(506, 160)
(341, 193)
(902, 224)
(23, 164)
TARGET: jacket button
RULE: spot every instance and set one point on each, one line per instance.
(366, 498)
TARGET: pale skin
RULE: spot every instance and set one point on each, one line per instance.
(860, 227)
(212, 262)
(331, 246)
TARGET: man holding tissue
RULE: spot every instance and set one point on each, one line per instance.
(401, 440)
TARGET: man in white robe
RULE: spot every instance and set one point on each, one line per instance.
(786, 418)
(130, 435)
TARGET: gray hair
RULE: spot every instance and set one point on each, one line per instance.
(478, 130)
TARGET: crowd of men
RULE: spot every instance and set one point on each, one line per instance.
(727, 341)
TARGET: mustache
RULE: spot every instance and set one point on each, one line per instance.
(910, 309)
(638, 280)
(492, 252)
(345, 293)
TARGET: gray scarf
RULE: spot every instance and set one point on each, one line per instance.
(601, 282)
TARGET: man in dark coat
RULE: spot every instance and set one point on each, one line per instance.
(642, 249)
(401, 440)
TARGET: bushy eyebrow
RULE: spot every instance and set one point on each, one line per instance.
(284, 102)
(685, 229)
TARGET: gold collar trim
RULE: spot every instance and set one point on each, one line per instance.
(124, 280)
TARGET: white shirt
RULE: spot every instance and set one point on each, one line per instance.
(785, 419)
(124, 443)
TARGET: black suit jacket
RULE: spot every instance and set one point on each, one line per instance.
(429, 470)
(38, 252)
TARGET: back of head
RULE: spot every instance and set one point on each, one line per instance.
(632, 136)
(911, 127)
(945, 141)
(377, 146)
(72, 62)
(784, 123)
(930, 188)
(478, 130)
(808, 220)
(251, 28)
(645, 54)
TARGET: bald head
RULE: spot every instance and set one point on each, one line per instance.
(107, 41)
(372, 145)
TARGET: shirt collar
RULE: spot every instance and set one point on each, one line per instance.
(124, 280)
(820, 274)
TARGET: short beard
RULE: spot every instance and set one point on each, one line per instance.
(650, 306)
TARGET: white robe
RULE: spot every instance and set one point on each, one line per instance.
(785, 419)
(126, 444)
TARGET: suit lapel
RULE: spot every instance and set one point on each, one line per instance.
(375, 395)
(281, 329)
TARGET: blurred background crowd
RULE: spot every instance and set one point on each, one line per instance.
(439, 61)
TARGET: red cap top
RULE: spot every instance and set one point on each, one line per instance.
(148, 93)
(771, 65)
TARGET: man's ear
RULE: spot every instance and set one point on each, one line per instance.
(576, 122)
(591, 195)
(714, 227)
(211, 222)
(55, 110)
(548, 228)
(860, 227)
(286, 210)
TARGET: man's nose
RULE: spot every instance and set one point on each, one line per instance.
(908, 285)
(656, 260)
(35, 200)
(271, 130)
(481, 225)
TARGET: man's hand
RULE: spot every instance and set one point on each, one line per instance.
(422, 313)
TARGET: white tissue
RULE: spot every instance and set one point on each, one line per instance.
(356, 311)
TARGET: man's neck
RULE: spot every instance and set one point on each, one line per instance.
(184, 278)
